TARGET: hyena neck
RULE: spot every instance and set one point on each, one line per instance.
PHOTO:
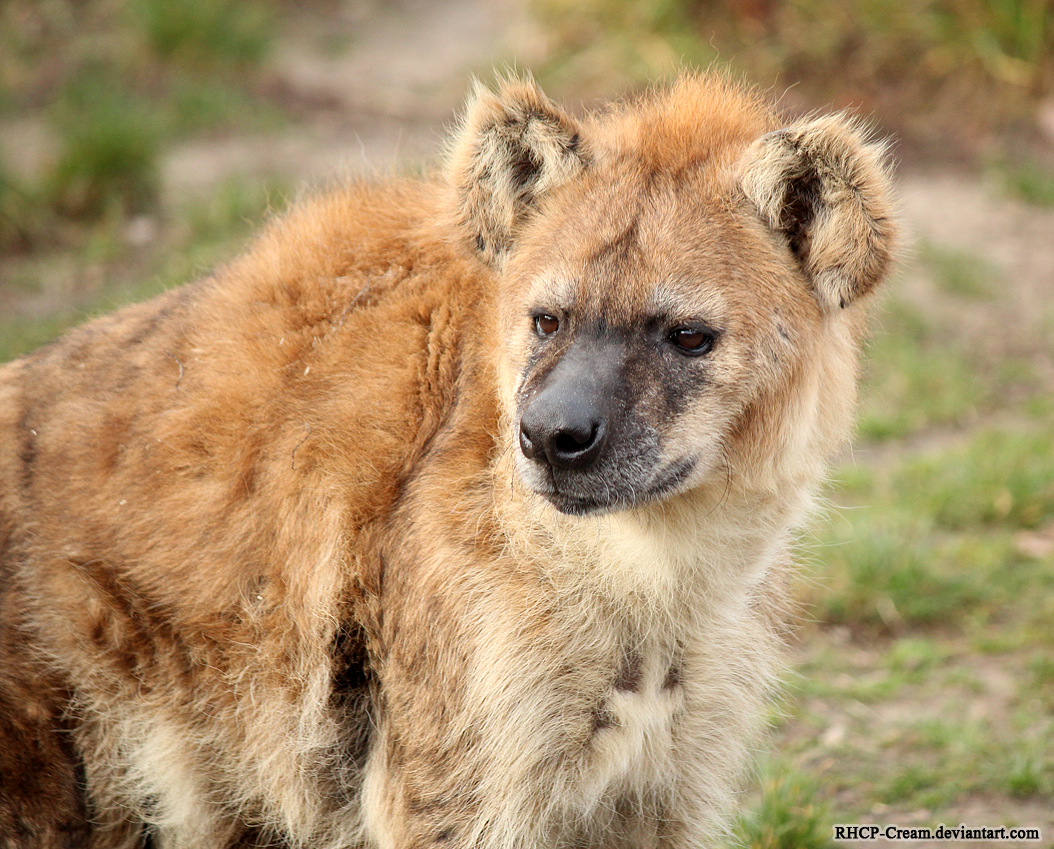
(709, 542)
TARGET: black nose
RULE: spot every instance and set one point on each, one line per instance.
(566, 433)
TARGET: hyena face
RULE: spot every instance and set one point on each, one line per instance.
(630, 355)
(663, 269)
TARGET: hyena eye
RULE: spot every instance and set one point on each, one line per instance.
(695, 341)
(546, 324)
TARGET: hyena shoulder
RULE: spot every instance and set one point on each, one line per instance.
(456, 510)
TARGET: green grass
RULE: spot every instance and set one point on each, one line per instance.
(108, 163)
(21, 219)
(1029, 182)
(932, 543)
(205, 105)
(1041, 671)
(788, 814)
(958, 273)
(888, 573)
(915, 379)
(19, 336)
(235, 208)
(218, 33)
(1025, 778)
(924, 726)
(117, 83)
(997, 479)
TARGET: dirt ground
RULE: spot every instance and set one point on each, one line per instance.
(375, 87)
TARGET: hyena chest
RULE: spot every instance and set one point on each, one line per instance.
(632, 747)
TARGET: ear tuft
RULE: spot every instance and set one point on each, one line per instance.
(514, 147)
(823, 187)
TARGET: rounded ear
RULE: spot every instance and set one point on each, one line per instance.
(512, 148)
(825, 188)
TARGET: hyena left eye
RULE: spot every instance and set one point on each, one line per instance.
(692, 340)
(546, 324)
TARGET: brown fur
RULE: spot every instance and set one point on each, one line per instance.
(275, 570)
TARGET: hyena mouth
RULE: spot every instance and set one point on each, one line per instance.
(576, 496)
(585, 456)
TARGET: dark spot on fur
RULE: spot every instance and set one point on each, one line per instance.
(351, 693)
(248, 479)
(147, 327)
(249, 463)
(621, 249)
(81, 345)
(138, 630)
(481, 244)
(98, 632)
(602, 718)
(437, 811)
(151, 806)
(675, 671)
(628, 808)
(111, 441)
(41, 773)
(351, 658)
(630, 673)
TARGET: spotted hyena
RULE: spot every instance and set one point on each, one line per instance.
(456, 511)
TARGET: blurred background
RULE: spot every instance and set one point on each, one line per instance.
(142, 141)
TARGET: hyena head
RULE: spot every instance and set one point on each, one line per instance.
(678, 279)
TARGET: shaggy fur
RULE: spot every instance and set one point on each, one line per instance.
(279, 565)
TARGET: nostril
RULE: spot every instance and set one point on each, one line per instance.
(576, 447)
(570, 442)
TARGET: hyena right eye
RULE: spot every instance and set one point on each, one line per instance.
(546, 324)
(693, 340)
